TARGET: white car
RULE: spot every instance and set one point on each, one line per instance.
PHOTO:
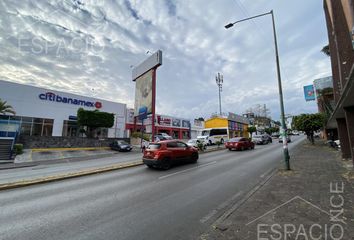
(204, 139)
(195, 142)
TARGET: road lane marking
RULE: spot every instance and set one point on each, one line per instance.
(186, 170)
(220, 207)
(266, 173)
(208, 216)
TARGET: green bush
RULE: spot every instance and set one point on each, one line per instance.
(18, 148)
(218, 143)
(200, 146)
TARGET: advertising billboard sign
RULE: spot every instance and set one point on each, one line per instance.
(143, 93)
(323, 86)
(176, 122)
(309, 93)
(186, 123)
(164, 121)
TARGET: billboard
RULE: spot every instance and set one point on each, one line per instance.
(323, 86)
(143, 93)
(176, 122)
(309, 93)
(164, 121)
(186, 124)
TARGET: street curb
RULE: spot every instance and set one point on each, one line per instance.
(211, 150)
(59, 177)
(239, 203)
(68, 149)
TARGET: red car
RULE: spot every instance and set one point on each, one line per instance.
(165, 154)
(239, 143)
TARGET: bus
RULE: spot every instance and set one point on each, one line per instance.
(213, 135)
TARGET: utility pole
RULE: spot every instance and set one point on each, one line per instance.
(219, 81)
(283, 126)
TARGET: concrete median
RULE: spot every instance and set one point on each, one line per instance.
(58, 177)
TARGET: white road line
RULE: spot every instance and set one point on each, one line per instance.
(266, 173)
(207, 217)
(186, 170)
(220, 207)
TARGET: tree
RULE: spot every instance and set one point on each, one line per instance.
(94, 120)
(5, 108)
(309, 123)
(326, 51)
(251, 130)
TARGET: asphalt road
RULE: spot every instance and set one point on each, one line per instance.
(137, 203)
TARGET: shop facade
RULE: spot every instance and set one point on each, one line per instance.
(236, 124)
(44, 112)
(178, 128)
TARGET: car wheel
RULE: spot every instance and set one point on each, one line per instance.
(210, 143)
(229, 149)
(150, 166)
(194, 157)
(166, 164)
(252, 147)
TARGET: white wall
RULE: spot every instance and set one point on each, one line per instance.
(26, 102)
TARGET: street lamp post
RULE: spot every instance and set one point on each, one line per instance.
(219, 81)
(284, 135)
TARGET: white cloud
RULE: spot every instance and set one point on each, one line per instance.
(195, 47)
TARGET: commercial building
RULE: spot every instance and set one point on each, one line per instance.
(178, 128)
(197, 128)
(340, 26)
(236, 124)
(44, 112)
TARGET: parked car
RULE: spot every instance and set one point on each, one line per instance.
(121, 146)
(268, 137)
(296, 133)
(287, 138)
(162, 136)
(275, 135)
(260, 139)
(239, 143)
(196, 142)
(165, 154)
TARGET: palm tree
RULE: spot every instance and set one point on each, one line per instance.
(5, 108)
(326, 51)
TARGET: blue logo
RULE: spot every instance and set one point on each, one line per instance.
(49, 96)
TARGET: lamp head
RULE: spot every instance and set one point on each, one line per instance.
(229, 25)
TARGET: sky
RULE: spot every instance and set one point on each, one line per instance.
(90, 47)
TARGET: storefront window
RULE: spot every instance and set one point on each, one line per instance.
(4, 117)
(37, 129)
(47, 127)
(26, 129)
(70, 128)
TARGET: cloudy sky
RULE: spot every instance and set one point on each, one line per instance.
(89, 47)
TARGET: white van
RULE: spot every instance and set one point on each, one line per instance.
(212, 135)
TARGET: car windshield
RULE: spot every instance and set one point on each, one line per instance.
(205, 133)
(154, 146)
(122, 143)
(257, 136)
(192, 141)
(235, 139)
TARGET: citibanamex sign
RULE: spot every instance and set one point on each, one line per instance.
(52, 97)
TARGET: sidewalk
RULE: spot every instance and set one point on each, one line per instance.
(313, 201)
